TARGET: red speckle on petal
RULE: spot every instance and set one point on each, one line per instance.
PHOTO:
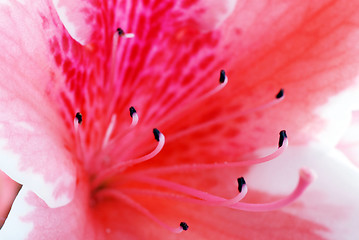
(67, 65)
(58, 59)
(188, 3)
(65, 43)
(67, 104)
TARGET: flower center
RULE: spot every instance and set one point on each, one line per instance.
(113, 166)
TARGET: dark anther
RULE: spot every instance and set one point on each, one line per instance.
(282, 136)
(79, 117)
(156, 133)
(132, 111)
(120, 32)
(184, 226)
(241, 182)
(280, 94)
(222, 76)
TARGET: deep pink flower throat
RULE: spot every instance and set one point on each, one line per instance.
(111, 163)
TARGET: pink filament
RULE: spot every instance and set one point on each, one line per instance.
(225, 203)
(113, 76)
(149, 156)
(78, 140)
(115, 41)
(119, 166)
(140, 208)
(134, 120)
(197, 101)
(203, 166)
(109, 131)
(209, 198)
(213, 91)
(307, 176)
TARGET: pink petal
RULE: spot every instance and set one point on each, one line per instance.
(83, 18)
(311, 53)
(307, 48)
(33, 135)
(330, 202)
(37, 221)
(217, 222)
(160, 72)
(113, 220)
(299, 46)
(350, 140)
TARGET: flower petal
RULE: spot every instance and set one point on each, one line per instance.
(33, 135)
(307, 48)
(350, 140)
(171, 63)
(84, 19)
(114, 219)
(326, 210)
(37, 221)
(206, 222)
(331, 201)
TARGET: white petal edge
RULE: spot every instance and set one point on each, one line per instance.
(44, 189)
(337, 113)
(336, 187)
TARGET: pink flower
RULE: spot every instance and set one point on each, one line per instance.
(117, 127)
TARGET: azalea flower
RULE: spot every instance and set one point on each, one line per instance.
(127, 119)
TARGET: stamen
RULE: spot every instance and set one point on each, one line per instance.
(307, 176)
(280, 94)
(132, 111)
(156, 133)
(282, 137)
(207, 198)
(223, 80)
(119, 166)
(241, 182)
(222, 77)
(227, 117)
(204, 166)
(134, 116)
(122, 33)
(78, 117)
(114, 60)
(109, 130)
(144, 211)
(223, 202)
(184, 226)
(160, 138)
